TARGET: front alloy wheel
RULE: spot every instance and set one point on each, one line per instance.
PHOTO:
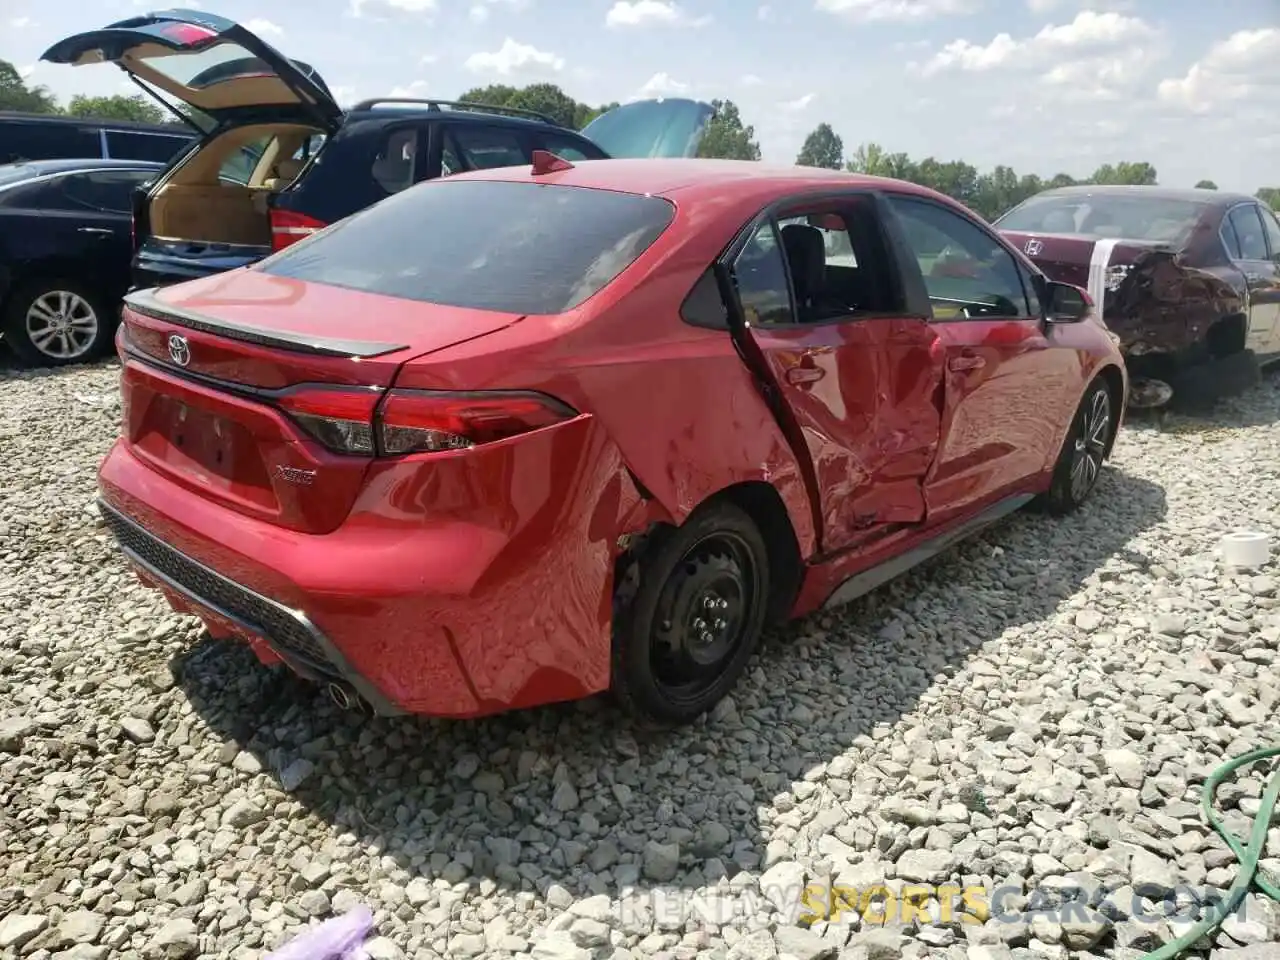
(1090, 446)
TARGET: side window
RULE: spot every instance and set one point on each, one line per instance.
(1029, 287)
(104, 192)
(967, 274)
(1272, 228)
(157, 147)
(760, 277)
(840, 268)
(568, 148)
(239, 167)
(397, 167)
(484, 147)
(450, 159)
(1249, 235)
(48, 141)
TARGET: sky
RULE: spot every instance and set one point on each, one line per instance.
(1043, 86)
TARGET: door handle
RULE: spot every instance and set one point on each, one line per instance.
(966, 362)
(99, 231)
(805, 374)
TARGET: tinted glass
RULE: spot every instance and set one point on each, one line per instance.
(47, 141)
(1272, 228)
(108, 191)
(760, 276)
(1122, 216)
(513, 247)
(486, 147)
(967, 274)
(570, 148)
(1250, 240)
(239, 167)
(650, 128)
(156, 147)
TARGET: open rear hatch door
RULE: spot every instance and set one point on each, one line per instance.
(670, 128)
(272, 395)
(214, 65)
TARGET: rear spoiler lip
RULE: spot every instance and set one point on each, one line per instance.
(148, 304)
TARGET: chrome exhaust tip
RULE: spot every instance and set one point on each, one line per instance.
(339, 695)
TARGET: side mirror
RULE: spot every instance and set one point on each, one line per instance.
(1066, 303)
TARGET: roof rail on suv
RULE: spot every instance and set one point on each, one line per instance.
(458, 104)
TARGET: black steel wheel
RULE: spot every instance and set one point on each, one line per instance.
(695, 617)
(1080, 461)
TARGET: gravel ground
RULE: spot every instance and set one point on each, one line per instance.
(1035, 711)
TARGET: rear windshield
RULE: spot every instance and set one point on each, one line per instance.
(523, 248)
(1123, 216)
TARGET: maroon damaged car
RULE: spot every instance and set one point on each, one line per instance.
(1189, 280)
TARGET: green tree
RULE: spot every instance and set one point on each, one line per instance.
(822, 148)
(544, 98)
(118, 107)
(1206, 185)
(16, 95)
(1125, 172)
(1270, 196)
(726, 138)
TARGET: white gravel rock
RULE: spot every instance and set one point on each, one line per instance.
(1034, 711)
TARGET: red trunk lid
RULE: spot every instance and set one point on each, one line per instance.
(226, 378)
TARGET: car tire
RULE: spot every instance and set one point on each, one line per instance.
(688, 615)
(37, 306)
(1079, 463)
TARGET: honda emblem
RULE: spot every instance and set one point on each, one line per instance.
(1033, 248)
(179, 350)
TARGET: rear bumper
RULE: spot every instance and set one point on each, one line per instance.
(459, 589)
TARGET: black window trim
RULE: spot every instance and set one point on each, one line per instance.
(106, 143)
(1226, 222)
(906, 274)
(1020, 262)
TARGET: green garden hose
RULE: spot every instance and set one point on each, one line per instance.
(1248, 856)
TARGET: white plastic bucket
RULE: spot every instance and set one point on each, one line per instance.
(1246, 549)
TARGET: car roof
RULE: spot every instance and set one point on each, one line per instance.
(407, 111)
(40, 168)
(687, 177)
(168, 129)
(1215, 198)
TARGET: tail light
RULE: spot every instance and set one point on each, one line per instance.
(288, 227)
(400, 422)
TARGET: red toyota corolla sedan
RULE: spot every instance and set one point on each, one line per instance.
(524, 435)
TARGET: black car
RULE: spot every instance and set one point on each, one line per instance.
(279, 159)
(64, 254)
(37, 136)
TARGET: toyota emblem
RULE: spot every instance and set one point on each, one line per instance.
(1033, 248)
(179, 350)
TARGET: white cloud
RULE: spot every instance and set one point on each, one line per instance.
(264, 27)
(19, 23)
(660, 85)
(425, 8)
(481, 9)
(900, 11)
(428, 58)
(514, 58)
(1089, 30)
(415, 89)
(26, 71)
(651, 13)
(750, 80)
(1235, 69)
(765, 13)
(799, 104)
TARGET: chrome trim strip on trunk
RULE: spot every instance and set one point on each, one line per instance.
(148, 304)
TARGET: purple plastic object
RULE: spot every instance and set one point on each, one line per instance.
(335, 939)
